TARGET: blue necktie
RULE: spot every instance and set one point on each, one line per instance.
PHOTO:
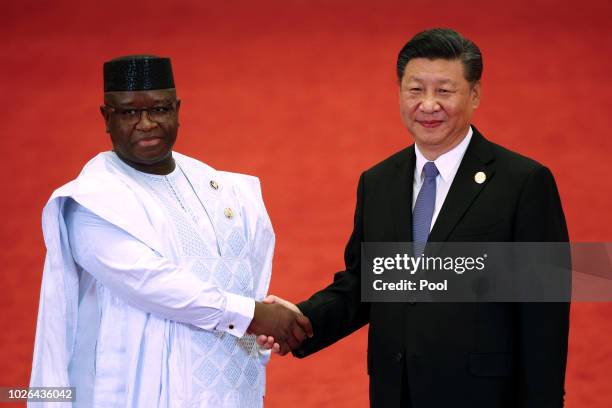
(424, 208)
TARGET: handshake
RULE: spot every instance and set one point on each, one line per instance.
(279, 325)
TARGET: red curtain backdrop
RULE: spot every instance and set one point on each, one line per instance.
(303, 95)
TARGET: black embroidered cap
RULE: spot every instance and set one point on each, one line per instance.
(138, 73)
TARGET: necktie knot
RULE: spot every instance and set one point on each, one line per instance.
(430, 169)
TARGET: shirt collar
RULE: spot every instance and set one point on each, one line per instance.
(447, 162)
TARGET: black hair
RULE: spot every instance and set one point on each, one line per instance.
(442, 43)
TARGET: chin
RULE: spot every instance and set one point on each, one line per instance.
(153, 155)
(430, 139)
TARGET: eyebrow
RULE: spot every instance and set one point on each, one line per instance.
(441, 81)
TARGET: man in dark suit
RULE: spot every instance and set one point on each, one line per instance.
(461, 187)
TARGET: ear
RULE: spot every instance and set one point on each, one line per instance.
(106, 116)
(178, 106)
(475, 94)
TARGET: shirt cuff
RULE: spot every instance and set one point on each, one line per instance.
(237, 316)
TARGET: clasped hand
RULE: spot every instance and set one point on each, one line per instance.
(279, 324)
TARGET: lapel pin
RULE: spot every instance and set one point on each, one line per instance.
(214, 185)
(228, 213)
(480, 177)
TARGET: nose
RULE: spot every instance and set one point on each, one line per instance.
(145, 123)
(429, 104)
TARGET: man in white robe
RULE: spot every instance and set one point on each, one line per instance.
(155, 267)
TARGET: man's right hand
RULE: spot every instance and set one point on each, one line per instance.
(286, 326)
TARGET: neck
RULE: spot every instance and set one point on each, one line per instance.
(432, 152)
(163, 167)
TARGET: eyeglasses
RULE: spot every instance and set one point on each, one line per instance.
(159, 113)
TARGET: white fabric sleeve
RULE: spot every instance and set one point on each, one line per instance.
(141, 277)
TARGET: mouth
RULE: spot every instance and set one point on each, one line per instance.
(429, 124)
(148, 141)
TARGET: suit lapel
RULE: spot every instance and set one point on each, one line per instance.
(464, 189)
(401, 196)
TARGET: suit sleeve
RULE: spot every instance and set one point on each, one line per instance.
(542, 327)
(337, 310)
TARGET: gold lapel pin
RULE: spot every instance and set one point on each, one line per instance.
(214, 185)
(228, 213)
(480, 177)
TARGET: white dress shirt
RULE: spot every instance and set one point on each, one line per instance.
(447, 165)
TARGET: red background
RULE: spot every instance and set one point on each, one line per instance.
(303, 95)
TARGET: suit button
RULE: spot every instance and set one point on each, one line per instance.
(398, 357)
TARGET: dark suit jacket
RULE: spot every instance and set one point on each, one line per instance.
(476, 355)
